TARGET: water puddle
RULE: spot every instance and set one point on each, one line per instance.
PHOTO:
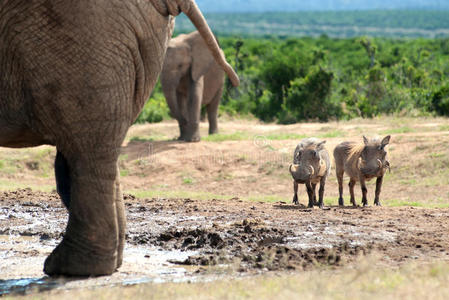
(22, 259)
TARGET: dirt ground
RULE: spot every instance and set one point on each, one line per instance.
(223, 208)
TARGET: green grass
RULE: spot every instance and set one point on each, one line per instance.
(332, 134)
(220, 137)
(148, 138)
(427, 204)
(124, 172)
(8, 185)
(246, 136)
(404, 129)
(328, 201)
(285, 136)
(188, 180)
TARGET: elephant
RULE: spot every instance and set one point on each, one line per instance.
(75, 75)
(190, 79)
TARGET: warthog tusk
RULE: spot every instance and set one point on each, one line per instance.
(293, 168)
(312, 171)
(379, 162)
(322, 170)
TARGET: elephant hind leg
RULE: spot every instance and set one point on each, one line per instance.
(121, 219)
(62, 175)
(212, 112)
(203, 113)
(91, 244)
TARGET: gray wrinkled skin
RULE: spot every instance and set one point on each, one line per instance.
(361, 162)
(311, 165)
(190, 79)
(75, 74)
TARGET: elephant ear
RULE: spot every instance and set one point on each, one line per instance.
(202, 59)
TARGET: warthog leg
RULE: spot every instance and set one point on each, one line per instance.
(321, 191)
(310, 193)
(340, 188)
(314, 194)
(364, 191)
(378, 188)
(351, 191)
(295, 190)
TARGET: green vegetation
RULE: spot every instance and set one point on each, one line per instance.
(155, 109)
(321, 78)
(289, 80)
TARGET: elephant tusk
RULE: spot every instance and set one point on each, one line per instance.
(191, 10)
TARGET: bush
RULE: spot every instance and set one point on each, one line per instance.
(309, 98)
(155, 110)
(440, 101)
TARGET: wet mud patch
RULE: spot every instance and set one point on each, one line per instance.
(188, 239)
(250, 245)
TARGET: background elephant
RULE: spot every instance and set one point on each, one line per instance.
(75, 74)
(191, 78)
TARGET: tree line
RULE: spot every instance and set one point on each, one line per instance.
(289, 80)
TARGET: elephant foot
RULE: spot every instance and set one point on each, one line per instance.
(193, 139)
(69, 261)
(213, 131)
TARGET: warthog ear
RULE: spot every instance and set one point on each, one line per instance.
(320, 145)
(365, 140)
(385, 141)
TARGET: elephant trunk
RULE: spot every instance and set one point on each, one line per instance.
(191, 10)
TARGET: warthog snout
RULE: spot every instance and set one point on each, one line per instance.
(371, 167)
(302, 172)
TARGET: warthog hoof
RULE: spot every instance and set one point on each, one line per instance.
(340, 202)
(295, 200)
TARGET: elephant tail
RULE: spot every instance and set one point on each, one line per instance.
(191, 10)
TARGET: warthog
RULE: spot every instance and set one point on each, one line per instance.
(311, 164)
(361, 162)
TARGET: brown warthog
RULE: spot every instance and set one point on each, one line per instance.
(361, 162)
(311, 164)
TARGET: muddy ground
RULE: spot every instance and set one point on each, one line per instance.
(222, 207)
(187, 239)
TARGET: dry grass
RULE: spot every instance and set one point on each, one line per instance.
(366, 281)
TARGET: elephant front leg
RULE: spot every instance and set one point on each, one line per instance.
(194, 111)
(91, 243)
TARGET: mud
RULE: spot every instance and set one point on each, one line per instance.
(188, 239)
